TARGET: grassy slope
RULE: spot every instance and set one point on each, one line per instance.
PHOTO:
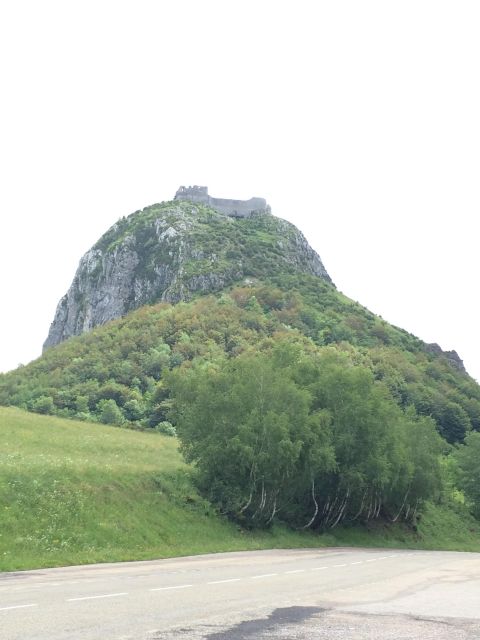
(74, 493)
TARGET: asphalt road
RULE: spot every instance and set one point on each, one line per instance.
(307, 594)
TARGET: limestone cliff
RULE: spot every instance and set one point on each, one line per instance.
(172, 251)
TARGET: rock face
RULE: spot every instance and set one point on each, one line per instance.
(172, 251)
(452, 356)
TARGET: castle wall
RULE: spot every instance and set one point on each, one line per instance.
(233, 208)
(238, 208)
(193, 194)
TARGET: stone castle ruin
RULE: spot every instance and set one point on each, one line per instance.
(232, 208)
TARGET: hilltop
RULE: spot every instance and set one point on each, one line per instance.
(173, 251)
(293, 403)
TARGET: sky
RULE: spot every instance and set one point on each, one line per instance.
(357, 121)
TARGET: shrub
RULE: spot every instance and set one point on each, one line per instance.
(110, 413)
(166, 428)
(44, 404)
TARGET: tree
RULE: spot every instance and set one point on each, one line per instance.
(309, 436)
(467, 457)
(110, 413)
(134, 409)
(454, 422)
(44, 404)
(246, 425)
(81, 404)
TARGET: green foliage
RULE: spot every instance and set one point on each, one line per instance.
(77, 493)
(309, 436)
(43, 404)
(226, 250)
(134, 410)
(166, 428)
(467, 457)
(110, 413)
(82, 404)
(454, 422)
(292, 402)
(240, 425)
(126, 360)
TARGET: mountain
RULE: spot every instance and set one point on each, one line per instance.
(183, 281)
(174, 251)
(216, 320)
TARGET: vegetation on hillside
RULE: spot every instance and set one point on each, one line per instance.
(75, 493)
(214, 244)
(466, 459)
(357, 439)
(117, 373)
(311, 438)
(294, 406)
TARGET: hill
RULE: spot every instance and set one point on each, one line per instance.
(293, 403)
(126, 360)
(173, 251)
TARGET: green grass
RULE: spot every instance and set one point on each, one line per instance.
(74, 493)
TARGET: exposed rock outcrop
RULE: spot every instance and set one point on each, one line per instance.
(452, 356)
(172, 251)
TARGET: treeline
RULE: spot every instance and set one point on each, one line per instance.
(292, 401)
(116, 373)
(310, 438)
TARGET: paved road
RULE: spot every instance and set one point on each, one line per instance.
(307, 594)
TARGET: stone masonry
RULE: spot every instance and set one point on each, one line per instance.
(233, 208)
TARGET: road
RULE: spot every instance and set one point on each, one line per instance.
(307, 594)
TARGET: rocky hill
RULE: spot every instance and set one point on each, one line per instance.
(223, 327)
(182, 284)
(172, 252)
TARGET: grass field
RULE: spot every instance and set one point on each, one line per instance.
(74, 493)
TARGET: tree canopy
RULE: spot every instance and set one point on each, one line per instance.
(308, 436)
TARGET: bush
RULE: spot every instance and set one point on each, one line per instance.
(44, 404)
(82, 404)
(134, 410)
(166, 428)
(110, 413)
(85, 416)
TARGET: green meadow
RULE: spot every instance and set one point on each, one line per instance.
(74, 493)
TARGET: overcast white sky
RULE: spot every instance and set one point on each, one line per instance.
(358, 121)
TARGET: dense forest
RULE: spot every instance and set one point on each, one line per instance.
(291, 401)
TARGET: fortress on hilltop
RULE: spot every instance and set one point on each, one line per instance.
(233, 208)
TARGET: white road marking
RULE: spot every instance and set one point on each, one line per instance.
(18, 606)
(296, 571)
(186, 586)
(180, 586)
(105, 595)
(223, 581)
